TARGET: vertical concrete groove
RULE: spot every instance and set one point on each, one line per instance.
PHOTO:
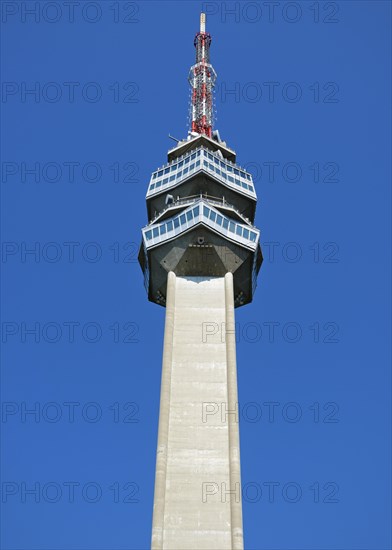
(232, 398)
(164, 417)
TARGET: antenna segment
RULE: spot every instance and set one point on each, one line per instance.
(202, 77)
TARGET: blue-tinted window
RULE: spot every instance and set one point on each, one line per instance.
(232, 226)
(216, 161)
(236, 172)
(179, 174)
(186, 161)
(148, 235)
(193, 156)
(239, 230)
(167, 170)
(158, 184)
(189, 215)
(210, 156)
(219, 219)
(196, 211)
(155, 232)
(212, 216)
(230, 179)
(160, 173)
(185, 171)
(154, 176)
(152, 186)
(165, 181)
(172, 178)
(206, 211)
(192, 166)
(162, 229)
(248, 177)
(176, 222)
(182, 219)
(246, 233)
(205, 163)
(198, 163)
(169, 225)
(218, 171)
(229, 168)
(225, 223)
(211, 166)
(252, 236)
(180, 164)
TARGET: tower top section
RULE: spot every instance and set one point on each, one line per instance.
(202, 79)
(202, 22)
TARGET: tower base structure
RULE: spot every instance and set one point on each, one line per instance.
(197, 500)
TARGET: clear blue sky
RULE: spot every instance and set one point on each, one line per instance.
(326, 287)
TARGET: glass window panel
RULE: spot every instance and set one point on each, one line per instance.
(173, 177)
(230, 179)
(154, 176)
(218, 171)
(169, 226)
(210, 156)
(252, 236)
(232, 226)
(212, 216)
(180, 164)
(155, 231)
(225, 223)
(193, 156)
(152, 186)
(198, 163)
(248, 177)
(176, 222)
(246, 233)
(224, 175)
(191, 166)
(166, 170)
(160, 173)
(216, 160)
(189, 215)
(162, 229)
(205, 164)
(158, 184)
(229, 168)
(219, 219)
(211, 167)
(185, 171)
(196, 211)
(239, 230)
(206, 211)
(165, 181)
(179, 174)
(148, 235)
(186, 161)
(182, 219)
(236, 172)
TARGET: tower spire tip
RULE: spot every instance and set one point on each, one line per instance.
(202, 22)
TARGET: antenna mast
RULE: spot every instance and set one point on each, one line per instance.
(202, 77)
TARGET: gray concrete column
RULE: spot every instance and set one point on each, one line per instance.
(164, 417)
(233, 419)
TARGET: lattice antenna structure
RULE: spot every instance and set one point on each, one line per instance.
(202, 77)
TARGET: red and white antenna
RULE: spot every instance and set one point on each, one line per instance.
(202, 77)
